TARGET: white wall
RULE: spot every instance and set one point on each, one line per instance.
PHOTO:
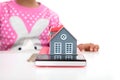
(94, 21)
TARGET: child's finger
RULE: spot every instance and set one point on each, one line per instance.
(81, 47)
(91, 48)
(96, 48)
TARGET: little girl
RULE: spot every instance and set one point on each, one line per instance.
(27, 23)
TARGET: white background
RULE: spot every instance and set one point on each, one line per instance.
(96, 21)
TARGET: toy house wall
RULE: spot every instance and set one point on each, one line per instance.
(70, 39)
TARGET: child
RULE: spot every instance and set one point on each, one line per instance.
(28, 22)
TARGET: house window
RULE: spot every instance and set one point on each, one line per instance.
(63, 36)
(68, 48)
(57, 47)
(57, 57)
(68, 57)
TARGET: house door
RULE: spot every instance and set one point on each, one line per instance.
(68, 57)
(57, 57)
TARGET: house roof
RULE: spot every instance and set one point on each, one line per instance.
(57, 30)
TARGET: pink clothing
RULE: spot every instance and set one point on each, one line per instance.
(18, 24)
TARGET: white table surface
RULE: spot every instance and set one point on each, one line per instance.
(14, 66)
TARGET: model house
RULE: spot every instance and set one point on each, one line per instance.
(63, 45)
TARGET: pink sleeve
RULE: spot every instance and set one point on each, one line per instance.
(54, 21)
(0, 10)
(0, 13)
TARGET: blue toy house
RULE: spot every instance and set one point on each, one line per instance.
(63, 46)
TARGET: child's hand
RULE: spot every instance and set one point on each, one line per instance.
(88, 47)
